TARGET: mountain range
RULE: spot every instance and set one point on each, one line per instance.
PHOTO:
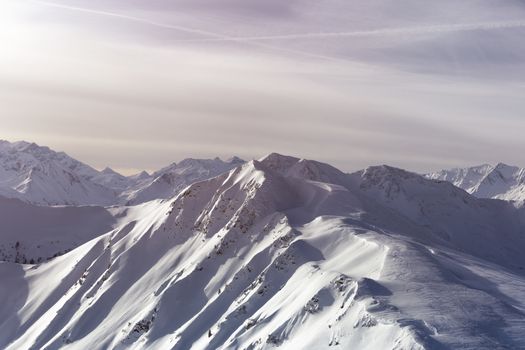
(276, 252)
(42, 176)
(486, 181)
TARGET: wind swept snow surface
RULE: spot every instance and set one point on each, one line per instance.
(283, 252)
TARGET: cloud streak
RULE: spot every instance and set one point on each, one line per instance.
(213, 36)
(132, 18)
(436, 29)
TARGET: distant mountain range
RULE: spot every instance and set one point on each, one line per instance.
(36, 174)
(277, 252)
(486, 181)
(39, 175)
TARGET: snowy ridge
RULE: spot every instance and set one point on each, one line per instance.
(500, 182)
(283, 252)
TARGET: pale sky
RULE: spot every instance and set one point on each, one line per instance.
(139, 84)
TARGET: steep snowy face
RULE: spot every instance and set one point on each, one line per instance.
(501, 181)
(279, 252)
(170, 180)
(39, 175)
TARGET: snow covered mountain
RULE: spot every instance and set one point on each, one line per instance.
(113, 180)
(486, 181)
(280, 252)
(42, 176)
(39, 175)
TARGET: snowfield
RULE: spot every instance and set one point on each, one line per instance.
(275, 253)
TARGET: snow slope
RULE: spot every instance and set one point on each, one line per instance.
(283, 252)
(501, 181)
(33, 233)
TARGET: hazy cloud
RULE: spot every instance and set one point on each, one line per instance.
(113, 93)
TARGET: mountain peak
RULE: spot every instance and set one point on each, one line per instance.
(504, 165)
(235, 159)
(278, 161)
(383, 172)
(506, 170)
(142, 175)
(24, 146)
(107, 170)
(278, 158)
(197, 162)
